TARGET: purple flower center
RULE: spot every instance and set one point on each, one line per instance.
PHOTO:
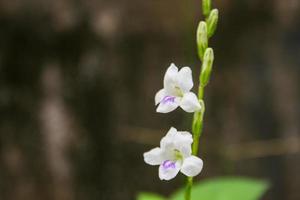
(168, 99)
(167, 164)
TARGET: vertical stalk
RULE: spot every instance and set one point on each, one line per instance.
(204, 31)
(197, 130)
(189, 184)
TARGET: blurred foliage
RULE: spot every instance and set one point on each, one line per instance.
(149, 196)
(225, 188)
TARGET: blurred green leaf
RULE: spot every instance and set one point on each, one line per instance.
(227, 188)
(149, 196)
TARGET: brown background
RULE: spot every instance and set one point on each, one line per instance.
(78, 78)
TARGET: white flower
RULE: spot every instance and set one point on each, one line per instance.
(176, 91)
(174, 155)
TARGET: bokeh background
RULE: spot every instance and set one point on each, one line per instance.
(77, 86)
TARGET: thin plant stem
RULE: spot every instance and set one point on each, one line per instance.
(204, 32)
(196, 136)
(189, 184)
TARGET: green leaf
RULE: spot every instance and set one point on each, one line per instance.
(149, 196)
(226, 188)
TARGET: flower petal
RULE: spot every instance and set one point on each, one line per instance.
(190, 103)
(154, 156)
(180, 140)
(183, 142)
(185, 79)
(168, 104)
(168, 141)
(177, 140)
(168, 170)
(192, 166)
(170, 79)
(159, 96)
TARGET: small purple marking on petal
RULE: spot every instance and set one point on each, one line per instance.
(168, 164)
(168, 99)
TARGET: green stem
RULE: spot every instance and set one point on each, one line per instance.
(197, 130)
(204, 31)
(198, 122)
(200, 92)
(189, 184)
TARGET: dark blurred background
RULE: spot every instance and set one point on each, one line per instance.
(77, 86)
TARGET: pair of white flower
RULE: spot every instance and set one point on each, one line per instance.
(175, 152)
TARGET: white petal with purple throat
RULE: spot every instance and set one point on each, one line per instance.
(174, 155)
(168, 104)
(168, 170)
(176, 91)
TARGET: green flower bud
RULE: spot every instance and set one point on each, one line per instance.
(206, 7)
(206, 66)
(198, 118)
(212, 22)
(202, 40)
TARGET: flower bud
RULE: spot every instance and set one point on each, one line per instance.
(206, 66)
(212, 22)
(202, 40)
(198, 118)
(206, 7)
